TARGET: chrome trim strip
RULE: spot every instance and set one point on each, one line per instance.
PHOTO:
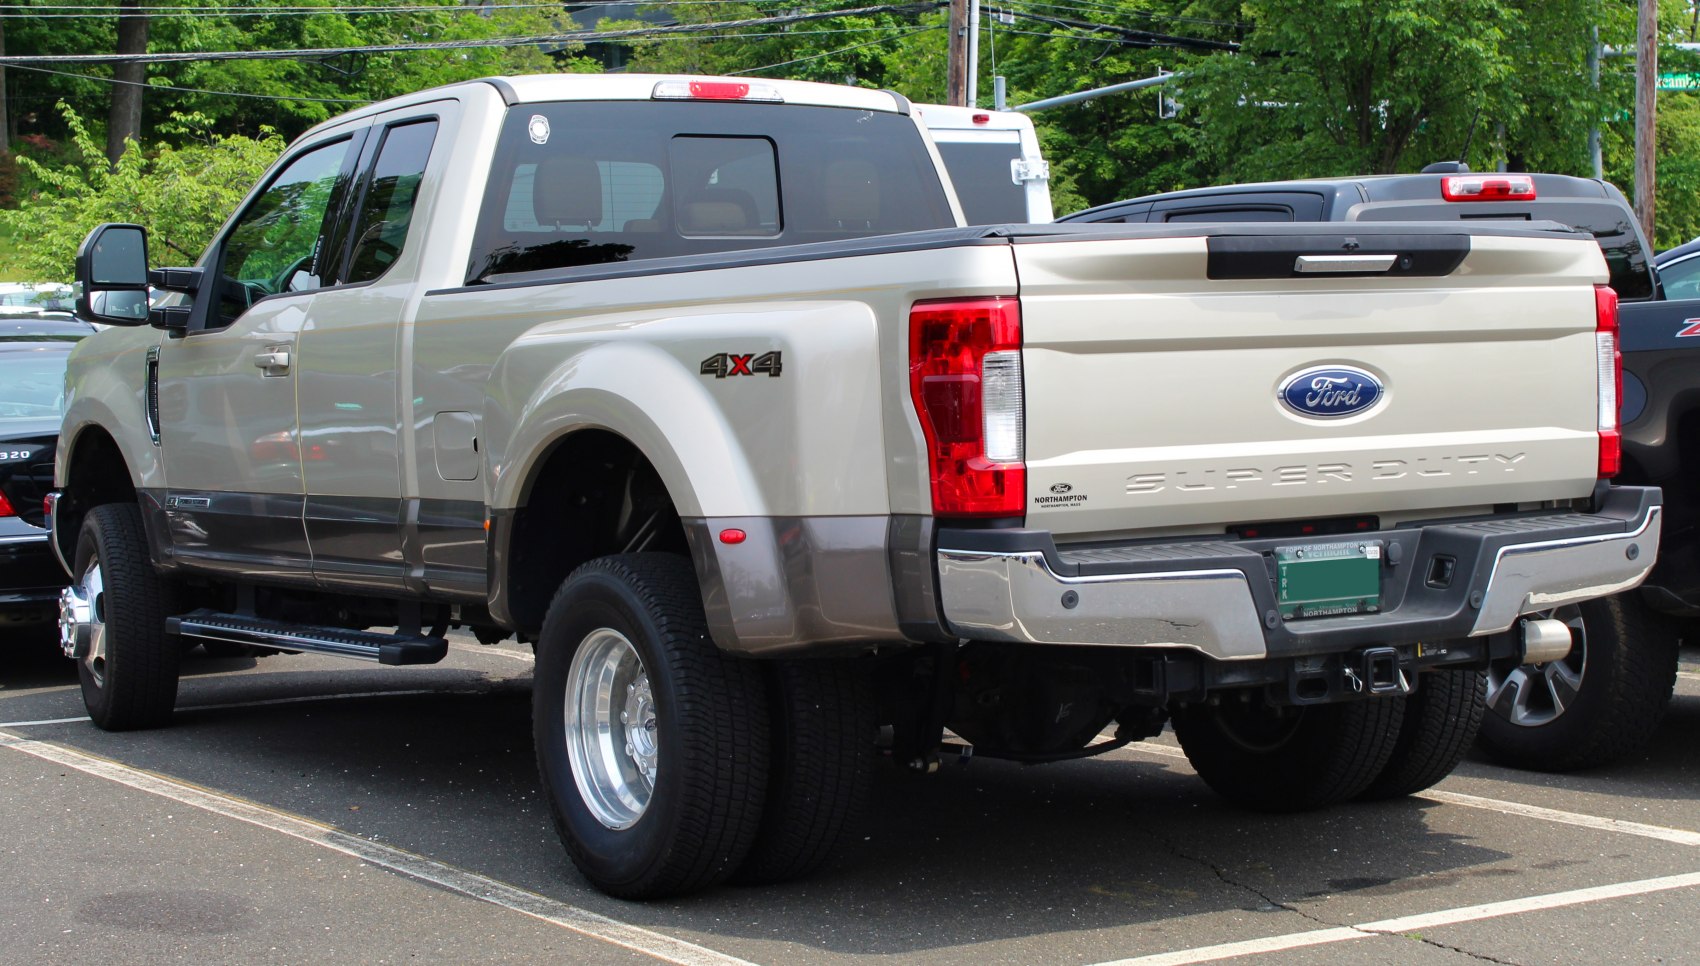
(1323, 264)
(53, 498)
(1017, 597)
(1569, 570)
(26, 538)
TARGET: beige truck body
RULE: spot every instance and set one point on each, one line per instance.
(401, 444)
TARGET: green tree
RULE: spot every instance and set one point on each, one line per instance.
(182, 194)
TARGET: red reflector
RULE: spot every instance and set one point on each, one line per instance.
(723, 90)
(1610, 364)
(1488, 187)
(732, 536)
(982, 119)
(948, 344)
(6, 506)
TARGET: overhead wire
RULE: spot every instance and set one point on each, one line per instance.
(841, 50)
(581, 36)
(190, 90)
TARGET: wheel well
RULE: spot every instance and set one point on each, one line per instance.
(593, 495)
(98, 475)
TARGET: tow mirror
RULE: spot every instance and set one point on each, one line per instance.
(112, 275)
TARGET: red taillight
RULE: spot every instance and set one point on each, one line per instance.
(1488, 187)
(6, 506)
(965, 381)
(1609, 359)
(725, 90)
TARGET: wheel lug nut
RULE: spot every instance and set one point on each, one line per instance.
(624, 718)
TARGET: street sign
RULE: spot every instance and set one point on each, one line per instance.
(1679, 82)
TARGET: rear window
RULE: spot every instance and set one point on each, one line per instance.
(984, 181)
(580, 183)
(32, 383)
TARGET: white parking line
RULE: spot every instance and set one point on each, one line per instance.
(494, 651)
(1660, 832)
(1409, 924)
(470, 884)
(263, 702)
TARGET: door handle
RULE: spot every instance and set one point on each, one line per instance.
(272, 359)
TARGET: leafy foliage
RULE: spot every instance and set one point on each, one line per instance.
(182, 194)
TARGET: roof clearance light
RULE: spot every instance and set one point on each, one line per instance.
(716, 91)
(1488, 187)
(982, 119)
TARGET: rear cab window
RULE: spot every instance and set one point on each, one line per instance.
(591, 183)
(984, 178)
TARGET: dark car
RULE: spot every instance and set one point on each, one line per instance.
(33, 351)
(1679, 270)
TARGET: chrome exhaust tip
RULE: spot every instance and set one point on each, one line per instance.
(1545, 640)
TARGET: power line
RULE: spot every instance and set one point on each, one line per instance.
(581, 36)
(841, 50)
(191, 90)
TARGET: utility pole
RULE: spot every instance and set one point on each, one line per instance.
(125, 118)
(956, 70)
(1646, 110)
(1594, 129)
(973, 99)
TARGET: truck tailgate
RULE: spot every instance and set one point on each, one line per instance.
(1154, 378)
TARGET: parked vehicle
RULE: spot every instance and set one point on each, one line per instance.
(1679, 271)
(699, 385)
(994, 163)
(33, 353)
(1605, 699)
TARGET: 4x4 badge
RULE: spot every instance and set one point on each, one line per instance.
(723, 364)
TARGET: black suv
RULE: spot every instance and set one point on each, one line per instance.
(1606, 698)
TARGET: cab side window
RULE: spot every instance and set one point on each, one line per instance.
(274, 246)
(386, 208)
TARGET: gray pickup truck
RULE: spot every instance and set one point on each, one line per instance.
(701, 386)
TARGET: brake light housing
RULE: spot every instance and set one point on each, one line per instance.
(1487, 187)
(966, 383)
(1608, 357)
(716, 90)
(6, 506)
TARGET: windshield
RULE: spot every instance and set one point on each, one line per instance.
(984, 181)
(32, 383)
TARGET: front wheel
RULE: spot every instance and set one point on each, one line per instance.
(1598, 704)
(652, 745)
(112, 620)
(1288, 759)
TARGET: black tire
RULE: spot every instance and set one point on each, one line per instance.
(1439, 723)
(1288, 759)
(134, 683)
(822, 718)
(1625, 658)
(710, 730)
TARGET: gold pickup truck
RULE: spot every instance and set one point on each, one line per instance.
(701, 386)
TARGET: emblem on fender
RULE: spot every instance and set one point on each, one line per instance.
(1330, 392)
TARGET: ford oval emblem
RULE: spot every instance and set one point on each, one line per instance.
(1330, 392)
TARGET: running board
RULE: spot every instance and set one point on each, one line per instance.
(209, 625)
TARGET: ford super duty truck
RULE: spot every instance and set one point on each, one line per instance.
(701, 387)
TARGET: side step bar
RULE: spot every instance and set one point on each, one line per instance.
(209, 625)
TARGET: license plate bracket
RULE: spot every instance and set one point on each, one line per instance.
(1328, 579)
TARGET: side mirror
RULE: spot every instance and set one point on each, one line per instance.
(112, 275)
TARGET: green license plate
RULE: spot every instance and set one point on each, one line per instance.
(1327, 580)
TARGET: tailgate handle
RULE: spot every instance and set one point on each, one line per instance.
(1324, 264)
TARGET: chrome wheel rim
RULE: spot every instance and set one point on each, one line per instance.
(1531, 695)
(612, 738)
(82, 621)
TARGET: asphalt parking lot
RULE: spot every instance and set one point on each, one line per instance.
(310, 810)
